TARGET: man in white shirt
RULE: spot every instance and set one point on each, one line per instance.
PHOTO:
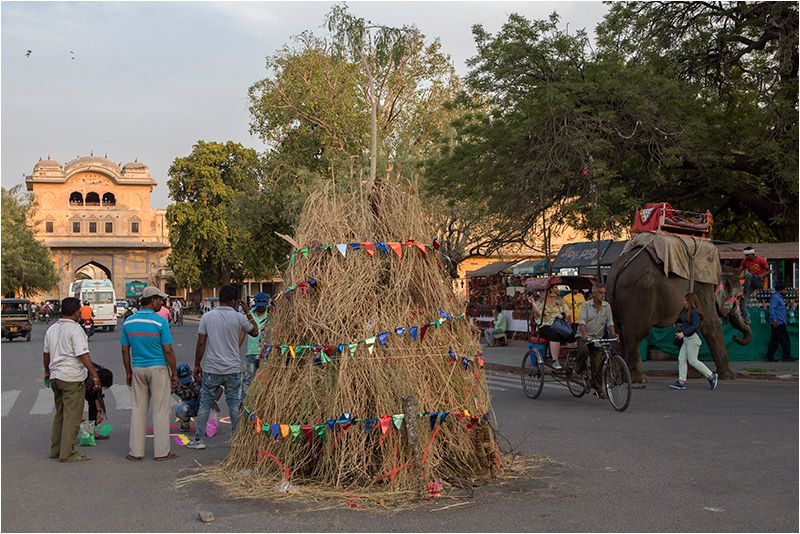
(66, 362)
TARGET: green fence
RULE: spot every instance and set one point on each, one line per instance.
(661, 339)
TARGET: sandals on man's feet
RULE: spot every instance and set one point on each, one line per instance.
(170, 456)
(76, 457)
(133, 458)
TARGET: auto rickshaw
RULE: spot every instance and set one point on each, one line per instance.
(16, 318)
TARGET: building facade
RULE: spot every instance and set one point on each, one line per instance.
(95, 217)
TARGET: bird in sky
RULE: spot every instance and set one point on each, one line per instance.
(28, 53)
(72, 54)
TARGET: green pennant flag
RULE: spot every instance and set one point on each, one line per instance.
(295, 430)
(370, 341)
(398, 420)
(284, 348)
(438, 323)
(319, 430)
(353, 347)
(292, 258)
(291, 288)
(304, 250)
(300, 349)
(324, 358)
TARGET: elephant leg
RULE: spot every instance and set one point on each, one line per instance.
(632, 337)
(712, 332)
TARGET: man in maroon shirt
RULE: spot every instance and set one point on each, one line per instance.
(755, 270)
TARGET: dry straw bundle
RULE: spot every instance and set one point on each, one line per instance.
(354, 298)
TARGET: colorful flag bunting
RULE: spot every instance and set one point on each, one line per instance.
(382, 337)
(342, 249)
(308, 431)
(292, 258)
(399, 331)
(413, 332)
(285, 431)
(304, 251)
(292, 351)
(385, 422)
(369, 247)
(353, 347)
(433, 417)
(422, 330)
(355, 246)
(275, 430)
(397, 248)
(382, 247)
(398, 420)
(295, 430)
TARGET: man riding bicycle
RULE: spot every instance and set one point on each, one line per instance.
(596, 322)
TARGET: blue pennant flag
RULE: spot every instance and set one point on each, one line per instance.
(355, 246)
(442, 416)
(340, 348)
(312, 282)
(330, 423)
(413, 332)
(382, 337)
(276, 429)
(445, 315)
(382, 247)
(433, 417)
(368, 423)
(399, 331)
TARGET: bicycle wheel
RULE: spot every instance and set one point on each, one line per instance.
(532, 375)
(577, 385)
(617, 382)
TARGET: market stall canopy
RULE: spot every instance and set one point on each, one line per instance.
(530, 267)
(491, 269)
(612, 253)
(583, 254)
(771, 251)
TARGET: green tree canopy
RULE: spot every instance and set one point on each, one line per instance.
(225, 212)
(553, 127)
(27, 265)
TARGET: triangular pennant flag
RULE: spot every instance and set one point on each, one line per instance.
(284, 348)
(353, 347)
(413, 332)
(327, 247)
(442, 417)
(433, 417)
(472, 421)
(355, 246)
(342, 249)
(422, 248)
(265, 428)
(398, 420)
(465, 361)
(370, 341)
(284, 431)
(452, 354)
(295, 430)
(308, 431)
(324, 358)
(422, 330)
(382, 337)
(300, 349)
(466, 413)
(292, 258)
(319, 430)
(386, 420)
(275, 430)
(444, 315)
(399, 331)
(258, 425)
(265, 354)
(397, 248)
(292, 351)
(346, 425)
(480, 361)
(368, 423)
(330, 423)
(369, 247)
(382, 247)
(304, 250)
(340, 348)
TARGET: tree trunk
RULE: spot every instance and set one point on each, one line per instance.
(373, 142)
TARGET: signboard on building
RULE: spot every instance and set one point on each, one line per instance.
(580, 254)
(134, 289)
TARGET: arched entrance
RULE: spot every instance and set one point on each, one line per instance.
(92, 271)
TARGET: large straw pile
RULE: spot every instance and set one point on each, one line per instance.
(356, 297)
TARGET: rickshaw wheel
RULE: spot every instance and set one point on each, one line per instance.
(576, 384)
(532, 375)
(617, 383)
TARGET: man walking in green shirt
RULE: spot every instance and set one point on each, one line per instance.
(500, 326)
(260, 315)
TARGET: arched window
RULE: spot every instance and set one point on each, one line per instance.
(108, 199)
(92, 199)
(75, 199)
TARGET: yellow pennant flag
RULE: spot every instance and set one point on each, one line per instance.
(292, 350)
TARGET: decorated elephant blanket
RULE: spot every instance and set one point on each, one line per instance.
(680, 254)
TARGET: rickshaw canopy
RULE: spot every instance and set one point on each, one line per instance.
(582, 283)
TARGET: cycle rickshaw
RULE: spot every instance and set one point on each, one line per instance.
(612, 379)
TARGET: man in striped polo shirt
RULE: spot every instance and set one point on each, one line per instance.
(150, 371)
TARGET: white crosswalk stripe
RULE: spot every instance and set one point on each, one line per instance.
(8, 400)
(44, 402)
(122, 396)
(506, 382)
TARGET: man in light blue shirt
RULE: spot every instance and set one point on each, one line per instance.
(150, 372)
(777, 318)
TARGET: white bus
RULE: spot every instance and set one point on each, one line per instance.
(101, 297)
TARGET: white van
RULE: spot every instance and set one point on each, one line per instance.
(101, 297)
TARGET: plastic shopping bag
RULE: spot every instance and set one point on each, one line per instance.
(86, 434)
(212, 424)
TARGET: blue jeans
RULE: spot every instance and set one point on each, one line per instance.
(250, 367)
(187, 409)
(233, 396)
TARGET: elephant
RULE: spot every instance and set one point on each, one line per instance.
(642, 296)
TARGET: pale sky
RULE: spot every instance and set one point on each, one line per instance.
(150, 79)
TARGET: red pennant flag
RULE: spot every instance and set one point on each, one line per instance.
(472, 421)
(308, 430)
(346, 425)
(303, 287)
(398, 249)
(421, 247)
(329, 350)
(480, 361)
(422, 330)
(369, 247)
(258, 425)
(386, 420)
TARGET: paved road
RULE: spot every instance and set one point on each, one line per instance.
(675, 461)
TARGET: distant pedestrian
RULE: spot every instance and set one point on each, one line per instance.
(691, 318)
(500, 325)
(755, 270)
(218, 340)
(150, 368)
(260, 314)
(165, 313)
(66, 363)
(777, 319)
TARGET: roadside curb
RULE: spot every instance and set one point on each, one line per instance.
(662, 373)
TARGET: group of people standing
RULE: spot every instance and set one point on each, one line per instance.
(152, 373)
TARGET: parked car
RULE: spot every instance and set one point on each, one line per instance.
(15, 318)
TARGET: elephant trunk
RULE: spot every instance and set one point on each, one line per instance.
(736, 320)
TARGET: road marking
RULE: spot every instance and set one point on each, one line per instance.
(122, 396)
(44, 402)
(8, 400)
(498, 382)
